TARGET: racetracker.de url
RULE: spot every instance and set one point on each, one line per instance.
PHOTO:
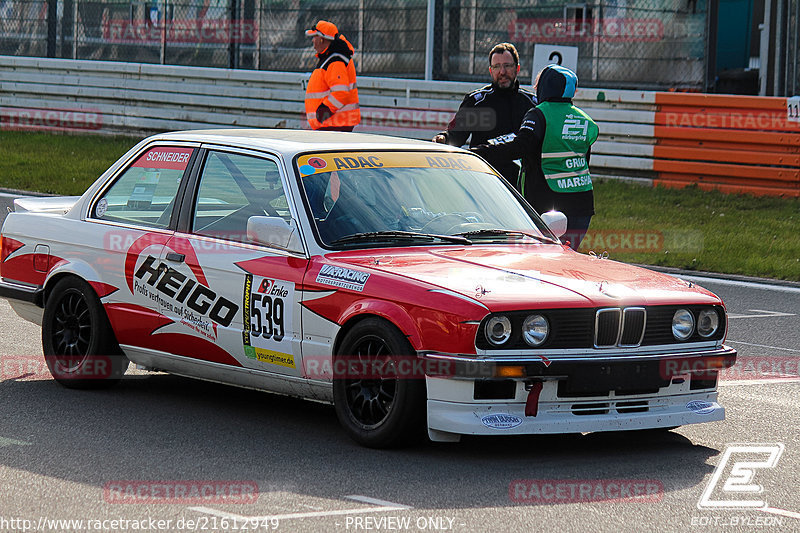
(202, 523)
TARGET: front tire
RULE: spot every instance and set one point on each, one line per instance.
(378, 403)
(79, 346)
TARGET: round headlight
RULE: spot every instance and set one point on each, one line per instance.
(707, 322)
(498, 330)
(682, 324)
(535, 330)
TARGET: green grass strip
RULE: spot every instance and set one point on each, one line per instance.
(683, 228)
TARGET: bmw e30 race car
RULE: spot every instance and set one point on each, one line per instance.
(403, 281)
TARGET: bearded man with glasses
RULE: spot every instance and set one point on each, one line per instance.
(494, 110)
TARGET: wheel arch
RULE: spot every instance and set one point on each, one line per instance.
(392, 313)
(79, 269)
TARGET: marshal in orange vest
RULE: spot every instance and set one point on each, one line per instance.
(332, 95)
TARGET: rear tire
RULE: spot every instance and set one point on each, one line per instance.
(381, 408)
(79, 346)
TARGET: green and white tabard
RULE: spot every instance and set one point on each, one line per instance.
(569, 134)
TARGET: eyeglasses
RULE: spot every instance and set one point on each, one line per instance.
(506, 66)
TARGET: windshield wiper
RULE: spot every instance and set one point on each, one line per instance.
(391, 236)
(506, 232)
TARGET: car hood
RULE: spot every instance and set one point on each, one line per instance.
(531, 276)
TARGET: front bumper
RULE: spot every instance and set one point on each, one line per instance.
(575, 394)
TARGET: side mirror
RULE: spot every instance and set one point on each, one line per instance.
(556, 221)
(275, 232)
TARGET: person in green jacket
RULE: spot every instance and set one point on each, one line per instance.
(554, 142)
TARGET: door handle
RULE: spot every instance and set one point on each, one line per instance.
(175, 257)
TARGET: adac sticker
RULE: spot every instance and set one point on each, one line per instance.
(501, 421)
(702, 407)
(327, 162)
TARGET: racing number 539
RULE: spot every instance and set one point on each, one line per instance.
(267, 315)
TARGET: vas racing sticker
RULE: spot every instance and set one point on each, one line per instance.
(267, 332)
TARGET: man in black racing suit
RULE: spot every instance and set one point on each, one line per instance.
(493, 110)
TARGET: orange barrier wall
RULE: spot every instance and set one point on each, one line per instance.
(739, 144)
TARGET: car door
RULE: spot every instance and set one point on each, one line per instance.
(232, 301)
(133, 217)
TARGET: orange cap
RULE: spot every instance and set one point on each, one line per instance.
(325, 29)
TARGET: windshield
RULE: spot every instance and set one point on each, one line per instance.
(361, 194)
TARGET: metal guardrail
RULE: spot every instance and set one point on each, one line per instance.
(136, 98)
(673, 138)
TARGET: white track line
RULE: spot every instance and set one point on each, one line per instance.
(782, 512)
(383, 506)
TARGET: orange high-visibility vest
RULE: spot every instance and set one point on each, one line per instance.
(333, 83)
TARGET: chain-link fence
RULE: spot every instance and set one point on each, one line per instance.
(644, 44)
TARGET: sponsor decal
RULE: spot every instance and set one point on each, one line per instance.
(15, 118)
(163, 158)
(341, 277)
(267, 320)
(180, 295)
(501, 421)
(101, 208)
(359, 161)
(181, 491)
(550, 491)
(702, 407)
(318, 163)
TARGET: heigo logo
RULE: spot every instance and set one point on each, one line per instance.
(181, 491)
(738, 467)
(558, 491)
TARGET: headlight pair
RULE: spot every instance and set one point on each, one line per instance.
(684, 324)
(535, 329)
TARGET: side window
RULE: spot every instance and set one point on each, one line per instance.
(233, 188)
(144, 194)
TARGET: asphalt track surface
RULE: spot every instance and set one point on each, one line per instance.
(281, 464)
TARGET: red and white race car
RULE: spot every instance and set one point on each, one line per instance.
(404, 281)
